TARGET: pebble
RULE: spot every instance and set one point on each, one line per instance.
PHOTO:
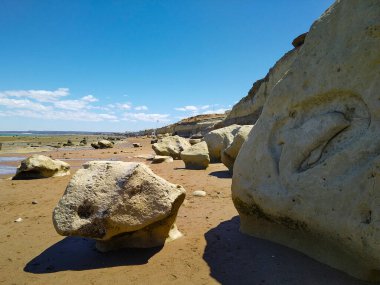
(18, 220)
(199, 193)
(34, 202)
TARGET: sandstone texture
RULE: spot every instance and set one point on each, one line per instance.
(162, 158)
(171, 146)
(218, 140)
(196, 156)
(230, 153)
(309, 175)
(40, 166)
(120, 204)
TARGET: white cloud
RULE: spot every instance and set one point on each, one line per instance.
(89, 98)
(39, 95)
(141, 108)
(218, 111)
(61, 115)
(47, 105)
(146, 117)
(205, 107)
(187, 108)
(124, 106)
(71, 104)
(22, 104)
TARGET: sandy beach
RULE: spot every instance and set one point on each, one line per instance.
(212, 250)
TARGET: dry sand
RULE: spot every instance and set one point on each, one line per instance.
(212, 250)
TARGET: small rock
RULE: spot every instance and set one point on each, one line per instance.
(162, 158)
(18, 220)
(199, 193)
(34, 202)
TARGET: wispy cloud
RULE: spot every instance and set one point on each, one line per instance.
(146, 117)
(57, 105)
(38, 95)
(123, 106)
(204, 109)
(141, 108)
(187, 108)
(89, 98)
(22, 104)
(71, 104)
(60, 115)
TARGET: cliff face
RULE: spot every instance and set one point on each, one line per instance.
(308, 175)
(193, 125)
(248, 109)
(188, 126)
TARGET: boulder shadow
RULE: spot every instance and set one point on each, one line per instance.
(221, 174)
(235, 258)
(77, 254)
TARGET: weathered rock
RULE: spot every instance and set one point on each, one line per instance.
(161, 159)
(196, 156)
(200, 124)
(95, 145)
(199, 193)
(120, 204)
(171, 146)
(102, 144)
(105, 144)
(197, 136)
(69, 143)
(152, 141)
(309, 175)
(145, 156)
(40, 166)
(136, 144)
(298, 41)
(231, 151)
(194, 141)
(83, 142)
(218, 140)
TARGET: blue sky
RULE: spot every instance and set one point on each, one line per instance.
(124, 65)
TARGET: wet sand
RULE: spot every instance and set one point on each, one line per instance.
(212, 250)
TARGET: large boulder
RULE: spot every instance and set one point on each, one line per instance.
(120, 204)
(171, 146)
(102, 144)
(196, 156)
(309, 175)
(230, 153)
(218, 140)
(105, 144)
(40, 166)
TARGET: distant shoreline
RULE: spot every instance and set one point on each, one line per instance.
(53, 133)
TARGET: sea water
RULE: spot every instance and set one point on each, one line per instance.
(7, 169)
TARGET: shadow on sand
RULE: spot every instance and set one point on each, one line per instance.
(221, 174)
(235, 258)
(78, 254)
